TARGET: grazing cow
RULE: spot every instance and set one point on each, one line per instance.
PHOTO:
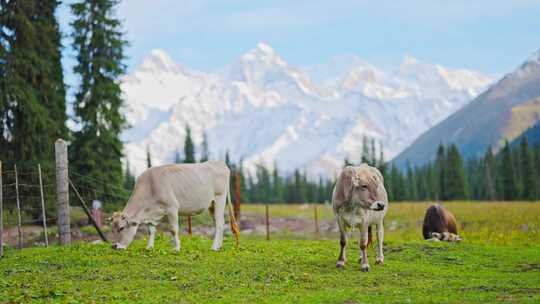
(360, 201)
(440, 225)
(170, 190)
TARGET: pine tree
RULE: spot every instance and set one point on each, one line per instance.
(277, 185)
(32, 94)
(528, 172)
(411, 193)
(489, 175)
(456, 187)
(300, 186)
(129, 179)
(189, 147)
(440, 172)
(508, 175)
(205, 153)
(373, 154)
(398, 184)
(148, 158)
(227, 159)
(365, 150)
(99, 48)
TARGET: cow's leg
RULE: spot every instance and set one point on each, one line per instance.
(380, 241)
(151, 236)
(343, 244)
(364, 264)
(173, 223)
(219, 220)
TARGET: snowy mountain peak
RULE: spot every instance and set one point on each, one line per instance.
(265, 48)
(409, 60)
(262, 109)
(262, 54)
(159, 61)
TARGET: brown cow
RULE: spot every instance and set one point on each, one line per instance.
(440, 225)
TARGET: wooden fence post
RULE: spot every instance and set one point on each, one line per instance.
(43, 214)
(316, 216)
(62, 191)
(1, 215)
(267, 223)
(19, 229)
(189, 224)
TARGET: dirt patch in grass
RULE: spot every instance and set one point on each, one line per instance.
(529, 267)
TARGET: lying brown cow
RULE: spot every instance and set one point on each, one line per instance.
(440, 225)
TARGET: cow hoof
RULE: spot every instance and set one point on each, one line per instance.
(340, 264)
(216, 248)
(365, 268)
(379, 262)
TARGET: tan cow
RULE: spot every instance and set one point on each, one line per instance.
(170, 190)
(360, 201)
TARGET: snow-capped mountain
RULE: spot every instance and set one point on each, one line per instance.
(263, 109)
(502, 113)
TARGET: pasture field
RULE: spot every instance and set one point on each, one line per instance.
(498, 261)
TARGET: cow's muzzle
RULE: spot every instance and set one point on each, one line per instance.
(378, 206)
(117, 246)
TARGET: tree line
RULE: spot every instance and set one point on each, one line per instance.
(509, 175)
(33, 93)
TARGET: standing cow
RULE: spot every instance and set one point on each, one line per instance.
(171, 190)
(360, 201)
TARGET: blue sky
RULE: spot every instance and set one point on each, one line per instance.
(490, 36)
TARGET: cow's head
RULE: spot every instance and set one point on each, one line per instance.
(123, 229)
(367, 188)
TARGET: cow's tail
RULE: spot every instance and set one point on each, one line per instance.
(234, 225)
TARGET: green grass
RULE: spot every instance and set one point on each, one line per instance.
(499, 223)
(498, 261)
(279, 271)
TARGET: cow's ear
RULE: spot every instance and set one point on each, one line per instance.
(378, 174)
(344, 185)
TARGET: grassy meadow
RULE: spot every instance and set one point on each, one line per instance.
(498, 261)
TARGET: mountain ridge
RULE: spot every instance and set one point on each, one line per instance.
(263, 109)
(485, 121)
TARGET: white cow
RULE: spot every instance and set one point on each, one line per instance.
(360, 201)
(171, 190)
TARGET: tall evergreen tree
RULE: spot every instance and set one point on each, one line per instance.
(205, 153)
(189, 147)
(509, 186)
(527, 171)
(440, 172)
(489, 175)
(129, 179)
(99, 47)
(277, 185)
(32, 94)
(373, 154)
(148, 158)
(366, 157)
(456, 187)
(411, 190)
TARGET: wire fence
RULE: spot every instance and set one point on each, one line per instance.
(27, 199)
(29, 205)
